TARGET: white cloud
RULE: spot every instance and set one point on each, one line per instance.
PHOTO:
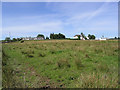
(38, 27)
(81, 21)
(78, 19)
(98, 11)
(82, 18)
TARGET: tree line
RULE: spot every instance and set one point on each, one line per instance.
(52, 36)
(56, 36)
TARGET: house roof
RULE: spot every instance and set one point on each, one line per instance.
(77, 35)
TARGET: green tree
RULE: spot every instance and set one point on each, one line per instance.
(91, 36)
(7, 39)
(78, 37)
(83, 36)
(52, 36)
(40, 35)
(57, 36)
(47, 37)
(115, 37)
(19, 39)
(14, 39)
(61, 36)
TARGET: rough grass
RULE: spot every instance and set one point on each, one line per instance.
(61, 63)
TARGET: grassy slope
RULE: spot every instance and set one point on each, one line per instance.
(63, 63)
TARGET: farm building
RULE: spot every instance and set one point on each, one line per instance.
(33, 38)
(81, 37)
(75, 37)
(102, 38)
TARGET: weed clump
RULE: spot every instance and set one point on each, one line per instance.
(30, 55)
(42, 55)
(87, 56)
(116, 50)
(63, 63)
(48, 62)
(21, 41)
(103, 68)
(27, 52)
(98, 51)
(52, 52)
(78, 63)
(35, 47)
(30, 47)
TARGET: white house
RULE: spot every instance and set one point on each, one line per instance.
(87, 38)
(81, 37)
(26, 38)
(40, 38)
(102, 38)
(76, 37)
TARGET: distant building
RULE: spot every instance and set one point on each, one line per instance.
(102, 38)
(73, 37)
(76, 36)
(81, 37)
(26, 38)
(87, 38)
(33, 38)
(39, 38)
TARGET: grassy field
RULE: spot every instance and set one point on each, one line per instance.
(61, 64)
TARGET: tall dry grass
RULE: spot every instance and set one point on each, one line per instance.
(97, 80)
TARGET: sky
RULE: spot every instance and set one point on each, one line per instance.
(24, 19)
